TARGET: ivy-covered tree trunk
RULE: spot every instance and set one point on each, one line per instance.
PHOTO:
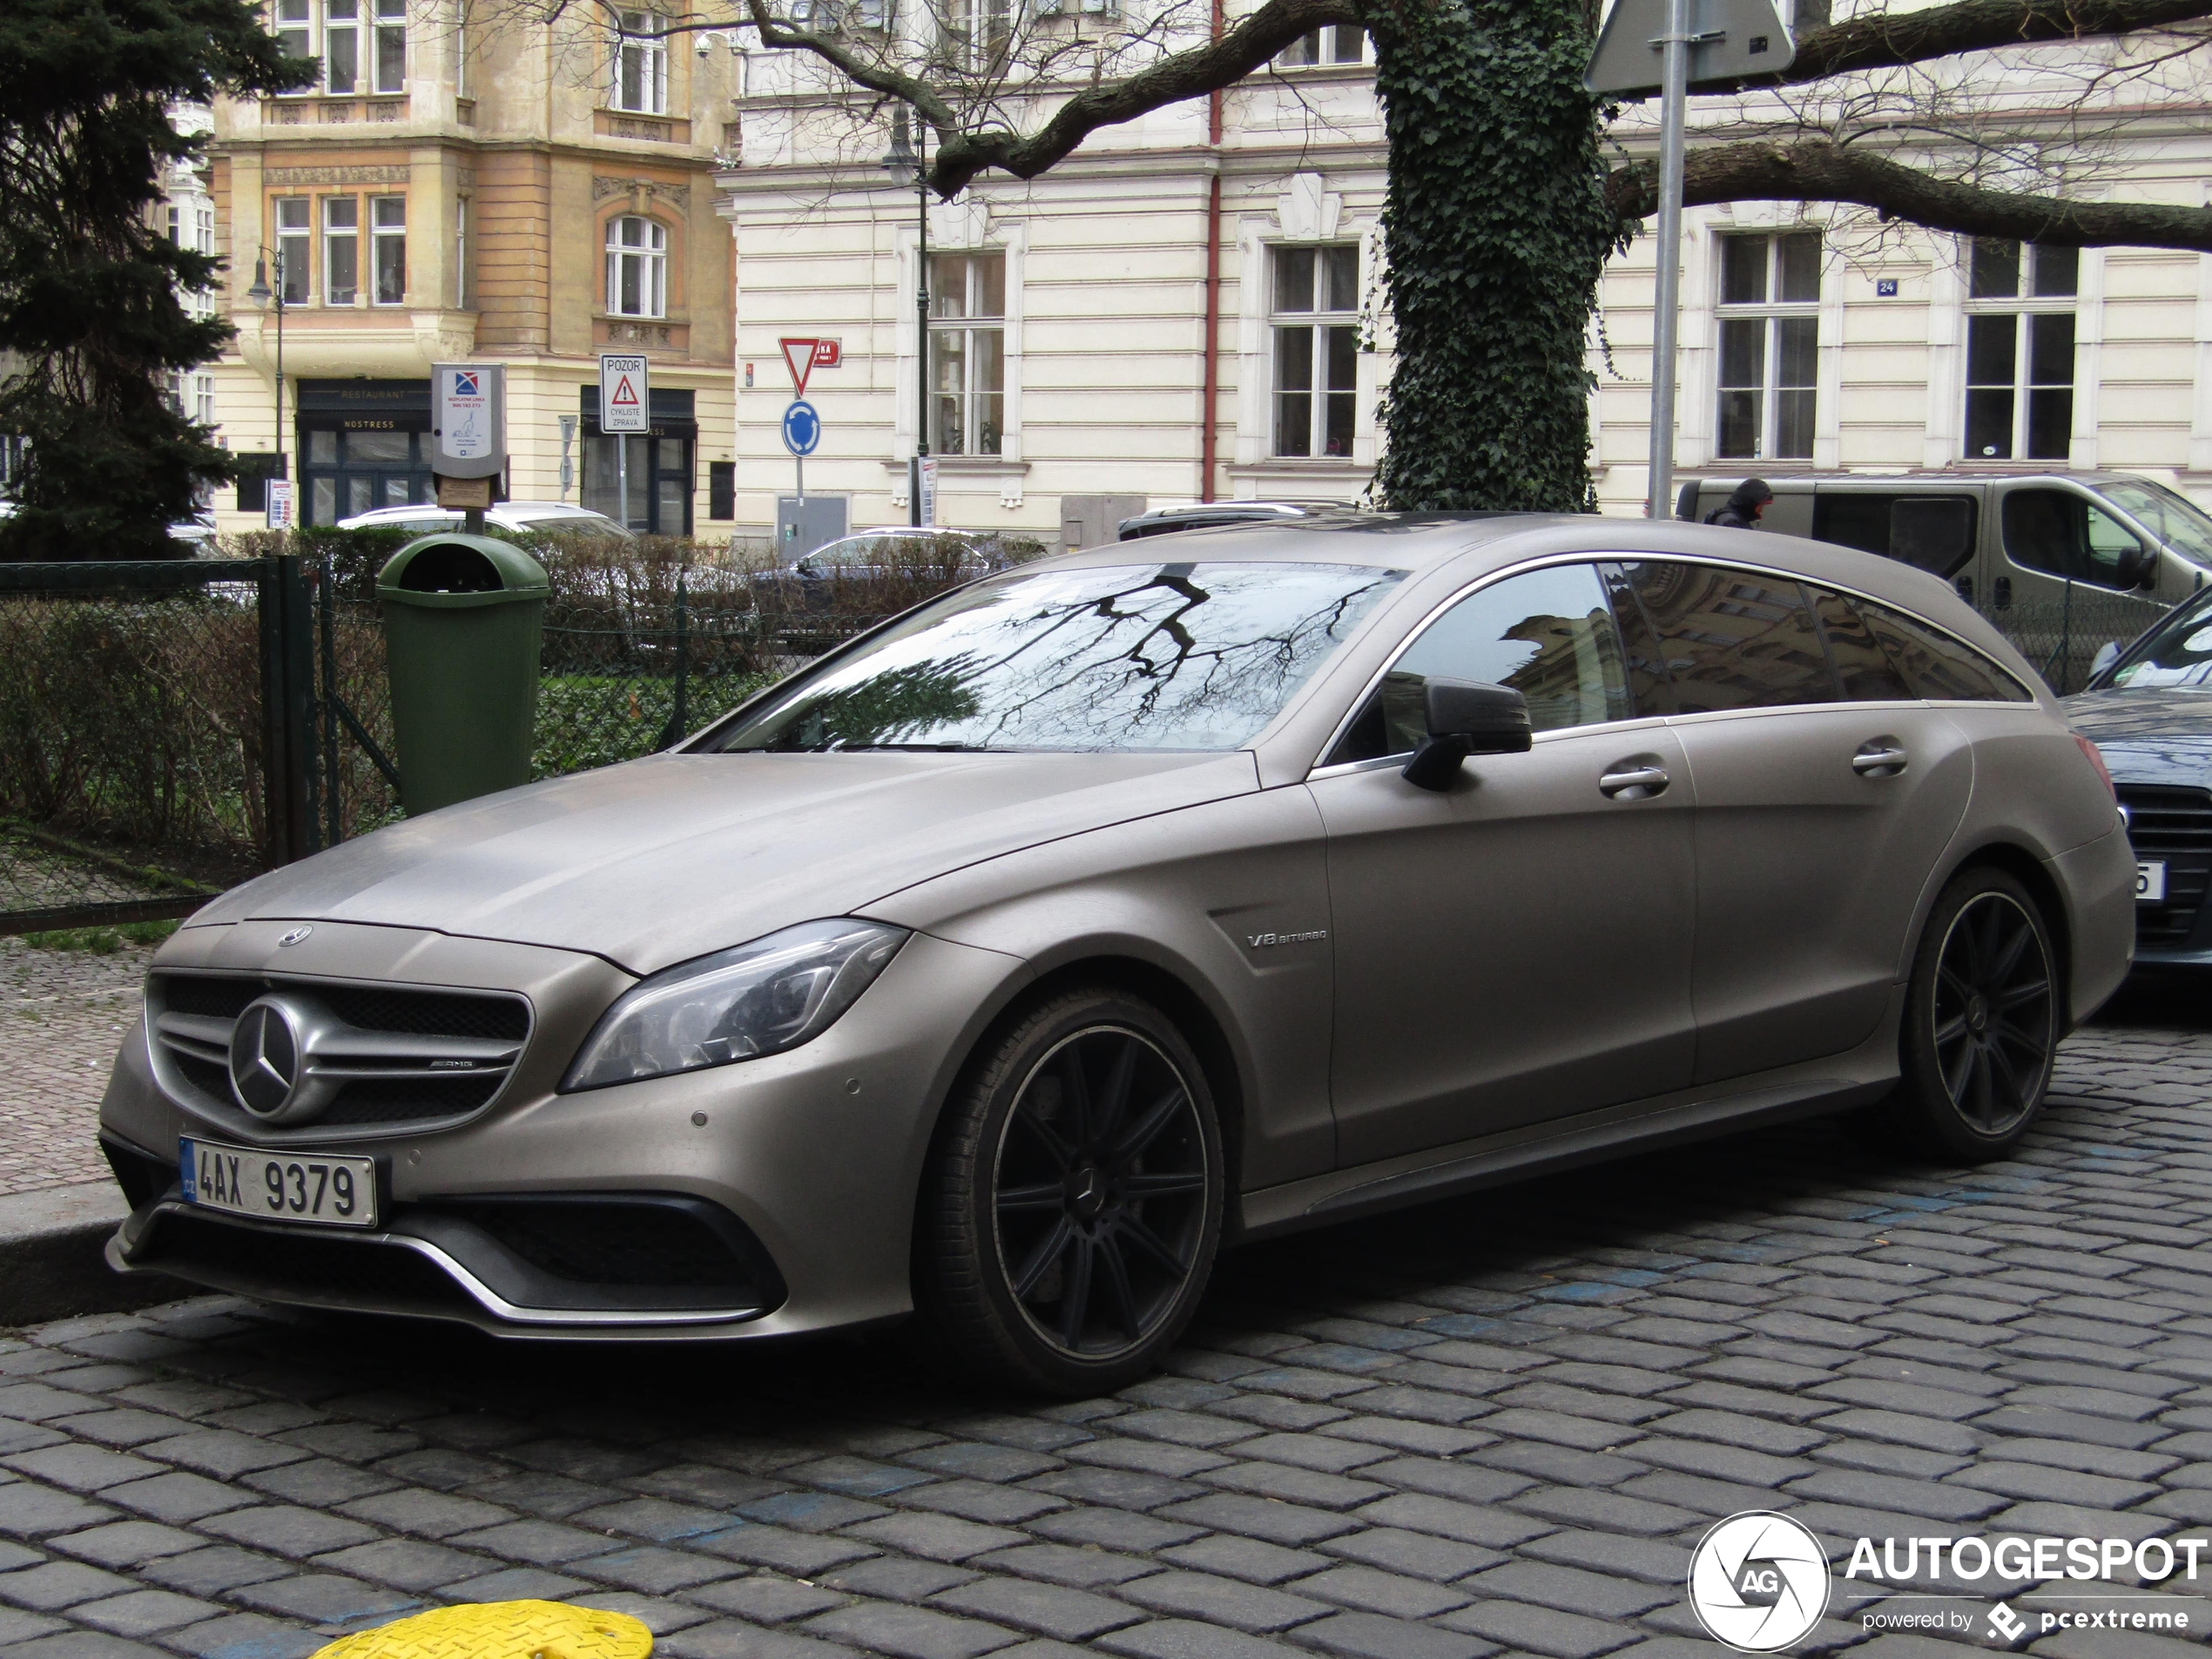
(1496, 231)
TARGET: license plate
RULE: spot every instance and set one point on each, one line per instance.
(279, 1186)
(2150, 881)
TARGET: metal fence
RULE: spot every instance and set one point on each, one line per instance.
(2061, 636)
(150, 750)
(632, 660)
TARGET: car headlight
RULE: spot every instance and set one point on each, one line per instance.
(738, 1004)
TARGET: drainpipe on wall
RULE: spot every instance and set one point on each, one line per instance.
(1209, 440)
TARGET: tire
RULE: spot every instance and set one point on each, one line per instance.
(1981, 1021)
(1072, 1204)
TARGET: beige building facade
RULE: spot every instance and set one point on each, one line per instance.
(525, 195)
(1114, 291)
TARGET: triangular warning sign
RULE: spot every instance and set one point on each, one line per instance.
(799, 357)
(625, 394)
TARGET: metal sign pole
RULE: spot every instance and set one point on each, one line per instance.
(1666, 303)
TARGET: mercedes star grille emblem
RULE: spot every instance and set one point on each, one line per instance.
(265, 1051)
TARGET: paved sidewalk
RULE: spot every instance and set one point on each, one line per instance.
(1492, 1425)
(62, 1014)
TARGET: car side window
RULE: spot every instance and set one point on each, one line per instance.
(1931, 533)
(1548, 634)
(1733, 638)
(1934, 666)
(1864, 668)
(2060, 534)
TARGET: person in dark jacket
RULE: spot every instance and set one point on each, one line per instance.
(1741, 511)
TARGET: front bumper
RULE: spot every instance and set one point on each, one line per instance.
(806, 1164)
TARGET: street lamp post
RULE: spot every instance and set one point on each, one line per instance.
(260, 294)
(905, 165)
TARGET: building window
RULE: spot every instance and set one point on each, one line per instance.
(2019, 350)
(203, 228)
(1770, 322)
(294, 247)
(342, 218)
(637, 267)
(296, 30)
(640, 65)
(203, 399)
(388, 229)
(968, 353)
(978, 34)
(1316, 348)
(1344, 42)
(341, 46)
(391, 45)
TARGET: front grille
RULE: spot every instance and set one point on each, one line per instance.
(2175, 824)
(456, 1048)
(302, 1263)
(430, 1013)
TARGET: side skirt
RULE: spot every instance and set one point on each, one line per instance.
(1858, 1078)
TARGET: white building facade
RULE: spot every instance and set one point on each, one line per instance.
(1079, 320)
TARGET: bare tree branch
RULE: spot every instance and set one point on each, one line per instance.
(1820, 170)
(1185, 75)
(1886, 40)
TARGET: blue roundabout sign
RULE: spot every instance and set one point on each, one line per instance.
(802, 427)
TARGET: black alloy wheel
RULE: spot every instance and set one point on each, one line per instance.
(1100, 1193)
(1073, 1203)
(1982, 1021)
(1994, 1014)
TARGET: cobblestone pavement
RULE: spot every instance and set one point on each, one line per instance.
(1491, 1426)
(62, 1014)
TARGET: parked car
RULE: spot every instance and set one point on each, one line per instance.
(897, 549)
(999, 966)
(2149, 708)
(542, 517)
(1199, 515)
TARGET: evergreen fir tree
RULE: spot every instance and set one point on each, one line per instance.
(90, 317)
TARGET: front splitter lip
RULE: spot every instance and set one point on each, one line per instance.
(498, 1315)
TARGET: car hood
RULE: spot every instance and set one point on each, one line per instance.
(2161, 736)
(670, 857)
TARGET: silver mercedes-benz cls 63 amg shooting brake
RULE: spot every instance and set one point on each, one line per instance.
(999, 966)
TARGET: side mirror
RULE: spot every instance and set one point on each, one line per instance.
(1466, 718)
(2108, 654)
(2135, 567)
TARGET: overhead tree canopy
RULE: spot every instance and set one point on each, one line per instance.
(89, 302)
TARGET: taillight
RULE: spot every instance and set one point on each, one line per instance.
(2098, 761)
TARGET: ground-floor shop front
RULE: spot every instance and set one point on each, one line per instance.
(353, 444)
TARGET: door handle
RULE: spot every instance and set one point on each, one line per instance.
(1879, 760)
(1966, 586)
(2004, 592)
(1634, 783)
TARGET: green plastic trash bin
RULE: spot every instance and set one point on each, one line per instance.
(463, 618)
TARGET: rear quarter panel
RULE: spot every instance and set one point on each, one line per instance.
(2034, 790)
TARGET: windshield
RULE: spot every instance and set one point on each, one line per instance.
(2174, 519)
(1194, 657)
(2178, 651)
